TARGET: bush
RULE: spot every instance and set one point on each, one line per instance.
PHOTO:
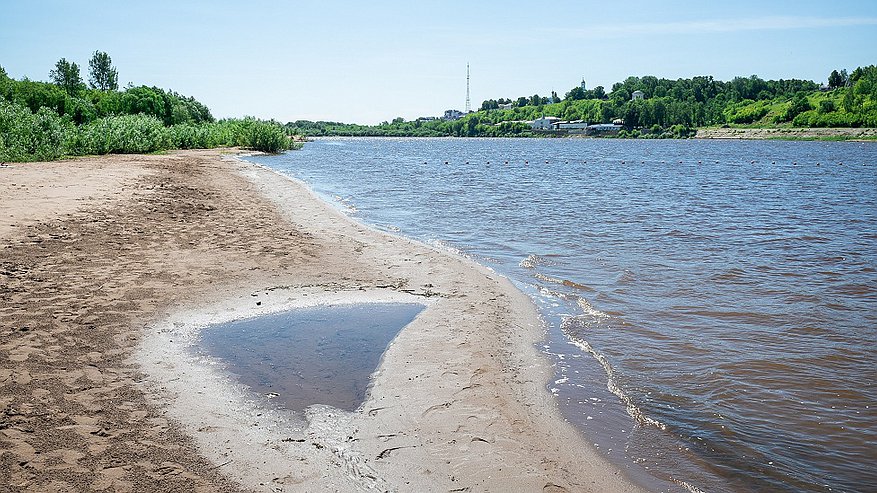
(259, 135)
(813, 118)
(680, 131)
(268, 137)
(826, 106)
(27, 136)
(797, 106)
(746, 111)
(124, 134)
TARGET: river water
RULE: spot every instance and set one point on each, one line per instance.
(711, 305)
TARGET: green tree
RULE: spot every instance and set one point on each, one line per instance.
(799, 104)
(575, 94)
(835, 80)
(826, 106)
(66, 76)
(101, 73)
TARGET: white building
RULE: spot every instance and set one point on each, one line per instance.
(453, 115)
(637, 95)
(575, 125)
(545, 123)
(603, 129)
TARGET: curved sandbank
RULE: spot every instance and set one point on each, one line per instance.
(459, 402)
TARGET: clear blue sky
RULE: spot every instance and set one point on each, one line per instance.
(369, 61)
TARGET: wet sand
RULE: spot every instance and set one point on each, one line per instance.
(110, 266)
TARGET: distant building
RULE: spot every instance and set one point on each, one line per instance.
(637, 95)
(572, 126)
(453, 115)
(427, 118)
(545, 123)
(584, 88)
(507, 106)
(603, 129)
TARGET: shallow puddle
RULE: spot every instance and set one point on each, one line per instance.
(316, 355)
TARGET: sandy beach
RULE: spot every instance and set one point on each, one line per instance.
(109, 268)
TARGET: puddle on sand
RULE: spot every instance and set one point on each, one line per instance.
(316, 355)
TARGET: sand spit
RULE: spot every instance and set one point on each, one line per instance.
(95, 396)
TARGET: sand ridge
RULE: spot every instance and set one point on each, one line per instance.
(458, 404)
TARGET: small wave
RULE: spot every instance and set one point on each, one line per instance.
(389, 227)
(444, 245)
(688, 486)
(853, 289)
(590, 310)
(639, 417)
(731, 275)
(532, 261)
(348, 208)
(565, 282)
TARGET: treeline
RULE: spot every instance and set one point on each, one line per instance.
(666, 108)
(847, 101)
(465, 127)
(48, 120)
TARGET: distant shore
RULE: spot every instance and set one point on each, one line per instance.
(110, 259)
(738, 133)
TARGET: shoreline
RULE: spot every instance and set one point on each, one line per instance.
(863, 134)
(830, 134)
(459, 401)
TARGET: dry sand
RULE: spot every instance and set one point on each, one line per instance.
(110, 266)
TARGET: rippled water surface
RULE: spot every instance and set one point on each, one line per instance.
(712, 305)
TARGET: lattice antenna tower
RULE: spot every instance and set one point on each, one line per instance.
(468, 103)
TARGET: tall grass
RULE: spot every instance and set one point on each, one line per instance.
(42, 136)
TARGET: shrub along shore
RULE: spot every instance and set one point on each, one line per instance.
(43, 121)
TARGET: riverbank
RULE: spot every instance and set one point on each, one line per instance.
(134, 250)
(787, 133)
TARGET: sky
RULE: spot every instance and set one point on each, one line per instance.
(368, 62)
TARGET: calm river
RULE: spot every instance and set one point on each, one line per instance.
(711, 305)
